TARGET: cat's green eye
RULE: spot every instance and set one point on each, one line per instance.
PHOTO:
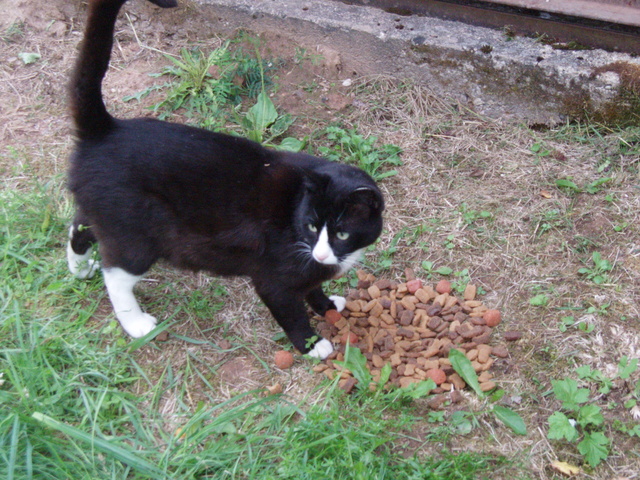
(313, 228)
(342, 235)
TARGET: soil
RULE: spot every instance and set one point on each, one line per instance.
(531, 239)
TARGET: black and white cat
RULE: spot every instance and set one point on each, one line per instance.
(148, 190)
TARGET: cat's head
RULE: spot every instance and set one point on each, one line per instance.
(340, 214)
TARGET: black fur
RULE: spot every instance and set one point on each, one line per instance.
(149, 190)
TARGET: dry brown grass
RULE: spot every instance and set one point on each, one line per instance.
(456, 165)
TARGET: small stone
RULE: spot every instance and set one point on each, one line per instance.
(224, 344)
(512, 336)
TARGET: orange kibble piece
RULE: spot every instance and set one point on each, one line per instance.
(437, 375)
(283, 359)
(443, 286)
(332, 316)
(349, 337)
(492, 317)
(414, 285)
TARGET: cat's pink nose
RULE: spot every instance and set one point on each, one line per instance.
(321, 256)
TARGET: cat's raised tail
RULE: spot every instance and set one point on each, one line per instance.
(87, 106)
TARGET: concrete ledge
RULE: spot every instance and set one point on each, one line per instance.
(497, 76)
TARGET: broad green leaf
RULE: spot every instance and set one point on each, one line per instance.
(463, 367)
(569, 394)
(626, 367)
(560, 427)
(420, 389)
(355, 361)
(590, 414)
(511, 419)
(568, 184)
(594, 447)
(290, 144)
(262, 114)
(444, 271)
(584, 371)
(540, 300)
(29, 57)
(462, 422)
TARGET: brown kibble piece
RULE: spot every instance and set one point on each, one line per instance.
(409, 274)
(512, 336)
(162, 336)
(469, 292)
(347, 384)
(332, 316)
(374, 291)
(500, 351)
(283, 359)
(274, 389)
(443, 286)
(492, 317)
(487, 386)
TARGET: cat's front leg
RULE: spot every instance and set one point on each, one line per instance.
(291, 314)
(120, 285)
(320, 303)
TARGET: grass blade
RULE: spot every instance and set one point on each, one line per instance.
(122, 454)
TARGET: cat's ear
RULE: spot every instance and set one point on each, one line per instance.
(315, 182)
(365, 202)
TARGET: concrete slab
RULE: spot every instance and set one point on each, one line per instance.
(485, 69)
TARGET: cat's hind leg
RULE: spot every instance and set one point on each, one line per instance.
(120, 285)
(80, 250)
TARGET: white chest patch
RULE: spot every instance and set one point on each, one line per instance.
(322, 251)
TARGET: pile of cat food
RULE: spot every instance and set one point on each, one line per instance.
(412, 326)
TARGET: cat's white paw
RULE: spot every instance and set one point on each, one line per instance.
(322, 350)
(339, 302)
(140, 325)
(81, 266)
